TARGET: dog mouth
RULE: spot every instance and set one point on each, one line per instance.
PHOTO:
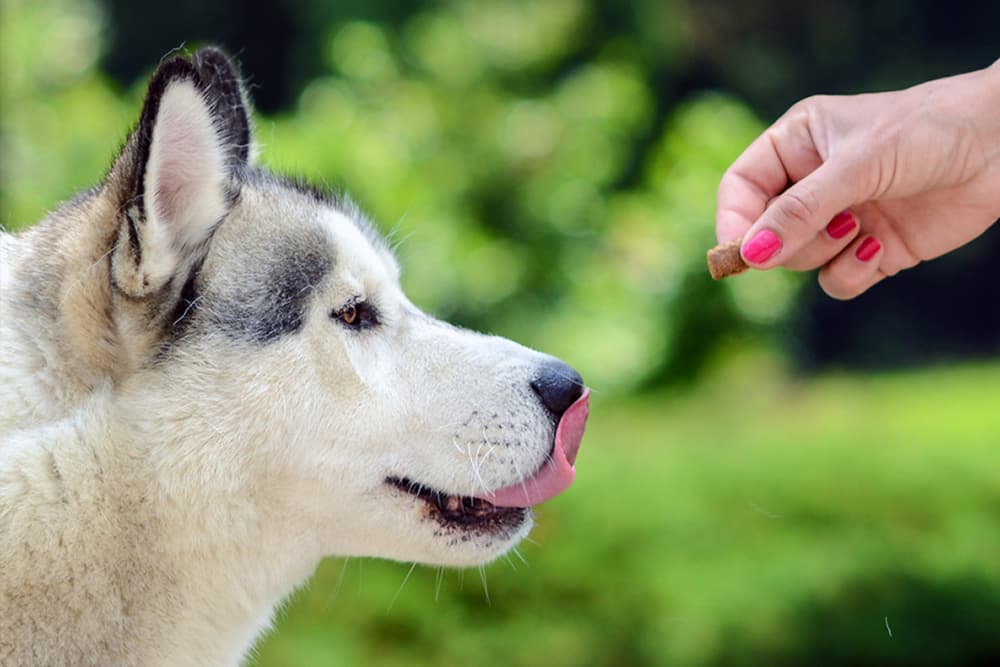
(558, 471)
(508, 506)
(467, 512)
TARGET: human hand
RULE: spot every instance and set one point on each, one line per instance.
(865, 186)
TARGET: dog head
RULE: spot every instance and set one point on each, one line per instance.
(273, 357)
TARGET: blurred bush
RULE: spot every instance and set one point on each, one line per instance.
(533, 182)
(548, 167)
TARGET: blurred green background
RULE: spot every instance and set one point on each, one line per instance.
(769, 477)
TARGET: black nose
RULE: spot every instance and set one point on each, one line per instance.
(558, 385)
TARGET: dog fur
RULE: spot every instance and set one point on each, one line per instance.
(210, 379)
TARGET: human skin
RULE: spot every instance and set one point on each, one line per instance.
(865, 186)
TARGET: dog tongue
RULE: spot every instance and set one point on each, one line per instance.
(557, 473)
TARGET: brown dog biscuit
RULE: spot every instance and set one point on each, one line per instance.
(725, 260)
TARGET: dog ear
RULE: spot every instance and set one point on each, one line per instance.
(180, 172)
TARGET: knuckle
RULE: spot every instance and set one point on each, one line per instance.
(807, 104)
(796, 209)
(808, 259)
(841, 283)
(834, 288)
(726, 183)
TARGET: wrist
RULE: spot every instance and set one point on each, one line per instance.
(991, 124)
(990, 81)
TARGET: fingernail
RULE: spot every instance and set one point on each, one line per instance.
(868, 248)
(842, 224)
(762, 246)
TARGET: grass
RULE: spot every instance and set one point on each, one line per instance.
(844, 520)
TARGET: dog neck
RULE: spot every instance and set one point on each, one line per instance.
(188, 571)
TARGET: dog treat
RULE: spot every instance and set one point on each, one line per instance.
(725, 260)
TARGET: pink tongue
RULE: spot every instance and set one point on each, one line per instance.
(557, 473)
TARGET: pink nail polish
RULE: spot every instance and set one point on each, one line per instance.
(842, 224)
(868, 248)
(761, 247)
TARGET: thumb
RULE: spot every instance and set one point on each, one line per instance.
(796, 216)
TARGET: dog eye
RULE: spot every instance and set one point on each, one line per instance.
(356, 315)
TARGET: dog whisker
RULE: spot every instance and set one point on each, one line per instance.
(475, 470)
(438, 578)
(338, 584)
(524, 486)
(400, 589)
(486, 457)
(486, 588)
(477, 464)
(510, 561)
(520, 556)
(449, 426)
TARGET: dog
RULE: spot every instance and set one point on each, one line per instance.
(210, 379)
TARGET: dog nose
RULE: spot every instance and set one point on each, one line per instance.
(558, 385)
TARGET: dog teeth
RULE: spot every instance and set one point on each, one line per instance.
(463, 509)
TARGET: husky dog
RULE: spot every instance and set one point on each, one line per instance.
(210, 379)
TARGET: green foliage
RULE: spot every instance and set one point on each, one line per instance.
(843, 522)
(533, 193)
(61, 122)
